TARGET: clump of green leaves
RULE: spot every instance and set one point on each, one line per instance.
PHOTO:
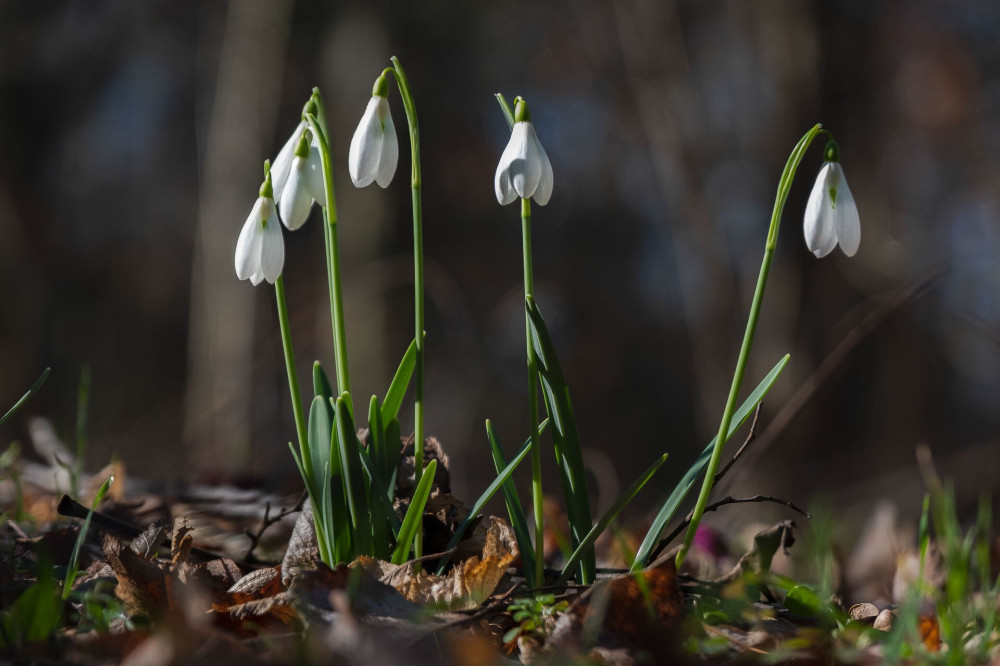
(533, 615)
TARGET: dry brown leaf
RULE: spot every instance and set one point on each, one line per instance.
(464, 587)
(150, 586)
(930, 632)
(303, 550)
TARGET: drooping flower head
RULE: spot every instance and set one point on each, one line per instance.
(260, 250)
(831, 215)
(524, 170)
(374, 148)
(304, 184)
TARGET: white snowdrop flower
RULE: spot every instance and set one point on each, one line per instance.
(374, 148)
(260, 250)
(304, 184)
(281, 167)
(524, 170)
(831, 215)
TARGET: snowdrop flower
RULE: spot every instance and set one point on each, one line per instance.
(260, 250)
(304, 183)
(374, 148)
(282, 165)
(831, 214)
(524, 170)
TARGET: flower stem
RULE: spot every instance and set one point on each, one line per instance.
(332, 254)
(784, 186)
(293, 380)
(418, 283)
(536, 451)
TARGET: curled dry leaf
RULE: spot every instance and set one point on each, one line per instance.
(465, 586)
(151, 586)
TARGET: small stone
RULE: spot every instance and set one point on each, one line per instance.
(884, 620)
(865, 613)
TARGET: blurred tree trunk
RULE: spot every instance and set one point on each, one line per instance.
(219, 393)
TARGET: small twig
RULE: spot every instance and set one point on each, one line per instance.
(266, 522)
(432, 556)
(479, 612)
(665, 541)
(751, 436)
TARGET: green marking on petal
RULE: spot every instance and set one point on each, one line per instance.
(833, 198)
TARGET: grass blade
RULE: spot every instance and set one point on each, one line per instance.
(683, 487)
(74, 557)
(414, 514)
(400, 381)
(610, 514)
(24, 398)
(566, 440)
(485, 497)
(379, 491)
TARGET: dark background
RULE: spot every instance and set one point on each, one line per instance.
(133, 134)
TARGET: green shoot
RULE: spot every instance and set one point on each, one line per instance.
(74, 557)
(501, 478)
(414, 515)
(24, 398)
(588, 541)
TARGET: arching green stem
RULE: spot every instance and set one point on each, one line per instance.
(332, 251)
(784, 185)
(293, 380)
(418, 281)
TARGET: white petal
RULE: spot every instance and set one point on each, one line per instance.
(296, 201)
(526, 167)
(283, 162)
(544, 191)
(248, 245)
(847, 224)
(501, 182)
(272, 255)
(389, 155)
(314, 175)
(818, 225)
(257, 278)
(366, 145)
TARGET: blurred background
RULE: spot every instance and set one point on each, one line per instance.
(133, 136)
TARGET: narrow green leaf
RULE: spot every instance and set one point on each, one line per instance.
(518, 519)
(321, 383)
(74, 557)
(683, 487)
(609, 515)
(357, 493)
(393, 448)
(508, 113)
(566, 440)
(484, 498)
(24, 398)
(400, 381)
(414, 515)
(379, 494)
(319, 430)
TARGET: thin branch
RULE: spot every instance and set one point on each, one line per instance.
(665, 541)
(266, 522)
(751, 436)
